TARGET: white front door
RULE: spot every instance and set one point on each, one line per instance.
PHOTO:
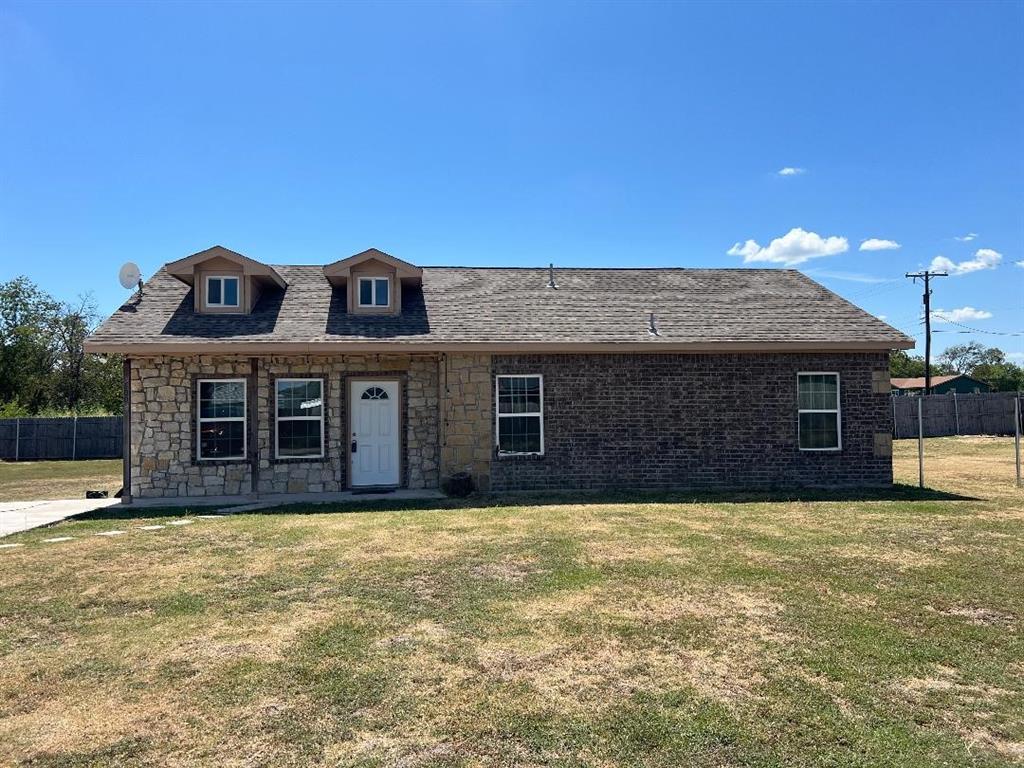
(375, 444)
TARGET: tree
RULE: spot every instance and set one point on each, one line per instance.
(986, 364)
(43, 363)
(104, 382)
(964, 358)
(26, 349)
(69, 326)
(906, 366)
(1002, 377)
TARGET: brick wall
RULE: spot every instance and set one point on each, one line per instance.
(696, 421)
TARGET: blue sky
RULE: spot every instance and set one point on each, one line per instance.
(517, 134)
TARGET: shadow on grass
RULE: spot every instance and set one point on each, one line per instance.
(896, 492)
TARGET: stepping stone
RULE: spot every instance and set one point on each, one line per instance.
(151, 527)
(58, 538)
(180, 522)
(8, 546)
(109, 533)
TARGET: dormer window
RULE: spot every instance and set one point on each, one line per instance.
(221, 291)
(375, 292)
(373, 282)
(225, 282)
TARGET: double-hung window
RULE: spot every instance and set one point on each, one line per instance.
(374, 292)
(519, 413)
(818, 406)
(221, 291)
(221, 419)
(300, 419)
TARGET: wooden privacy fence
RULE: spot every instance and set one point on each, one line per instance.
(76, 437)
(987, 413)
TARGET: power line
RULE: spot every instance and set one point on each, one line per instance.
(974, 330)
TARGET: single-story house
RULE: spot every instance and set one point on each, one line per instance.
(371, 372)
(959, 383)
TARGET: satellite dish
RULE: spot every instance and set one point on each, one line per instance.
(130, 276)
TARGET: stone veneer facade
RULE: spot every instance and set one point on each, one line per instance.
(163, 423)
(467, 430)
(641, 421)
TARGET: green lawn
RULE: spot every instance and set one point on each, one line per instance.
(29, 480)
(586, 631)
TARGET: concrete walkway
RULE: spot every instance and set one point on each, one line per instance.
(22, 515)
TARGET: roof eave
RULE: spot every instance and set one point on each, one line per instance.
(228, 347)
(402, 268)
(184, 269)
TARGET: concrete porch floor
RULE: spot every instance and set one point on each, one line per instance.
(249, 502)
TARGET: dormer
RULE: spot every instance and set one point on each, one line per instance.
(373, 281)
(224, 282)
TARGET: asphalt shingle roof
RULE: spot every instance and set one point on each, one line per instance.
(918, 381)
(469, 305)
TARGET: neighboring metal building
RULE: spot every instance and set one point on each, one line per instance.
(960, 383)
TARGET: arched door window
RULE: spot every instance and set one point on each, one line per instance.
(374, 393)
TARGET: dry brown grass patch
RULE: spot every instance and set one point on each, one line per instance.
(974, 700)
(980, 617)
(74, 721)
(509, 570)
(580, 671)
(899, 558)
(258, 638)
(611, 551)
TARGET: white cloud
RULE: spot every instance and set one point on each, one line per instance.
(853, 277)
(881, 317)
(1019, 264)
(791, 171)
(876, 244)
(1015, 355)
(984, 258)
(794, 247)
(968, 237)
(959, 315)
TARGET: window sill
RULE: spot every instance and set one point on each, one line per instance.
(821, 450)
(300, 460)
(528, 456)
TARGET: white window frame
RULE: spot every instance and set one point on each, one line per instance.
(244, 418)
(838, 411)
(498, 415)
(372, 280)
(222, 278)
(278, 419)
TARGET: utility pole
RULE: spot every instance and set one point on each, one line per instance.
(927, 276)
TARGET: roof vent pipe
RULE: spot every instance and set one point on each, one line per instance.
(551, 276)
(653, 327)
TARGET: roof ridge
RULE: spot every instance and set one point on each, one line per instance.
(582, 269)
